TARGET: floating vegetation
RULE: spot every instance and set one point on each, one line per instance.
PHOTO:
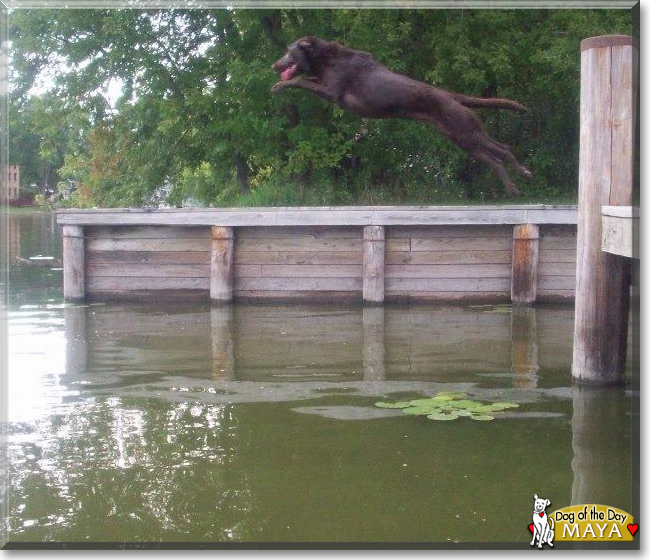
(450, 406)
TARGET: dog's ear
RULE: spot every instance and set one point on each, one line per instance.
(535, 496)
(548, 502)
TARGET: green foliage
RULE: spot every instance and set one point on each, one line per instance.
(196, 114)
(449, 406)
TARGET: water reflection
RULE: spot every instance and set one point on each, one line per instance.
(373, 344)
(523, 334)
(182, 421)
(222, 326)
(76, 340)
(601, 445)
(325, 342)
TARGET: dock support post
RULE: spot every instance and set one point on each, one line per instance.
(221, 264)
(374, 246)
(74, 267)
(607, 107)
(525, 251)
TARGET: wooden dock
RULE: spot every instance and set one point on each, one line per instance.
(373, 254)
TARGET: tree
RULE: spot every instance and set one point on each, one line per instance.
(196, 112)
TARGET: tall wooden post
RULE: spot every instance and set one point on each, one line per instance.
(221, 267)
(607, 106)
(74, 263)
(374, 245)
(525, 251)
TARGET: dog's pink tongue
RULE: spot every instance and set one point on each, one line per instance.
(288, 73)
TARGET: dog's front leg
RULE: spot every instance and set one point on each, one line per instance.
(302, 83)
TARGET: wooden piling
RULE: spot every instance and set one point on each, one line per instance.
(374, 248)
(525, 251)
(221, 264)
(74, 267)
(607, 106)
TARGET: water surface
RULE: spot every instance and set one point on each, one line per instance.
(162, 421)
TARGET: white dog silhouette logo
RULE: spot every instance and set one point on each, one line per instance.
(542, 527)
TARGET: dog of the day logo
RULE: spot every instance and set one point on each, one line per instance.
(580, 523)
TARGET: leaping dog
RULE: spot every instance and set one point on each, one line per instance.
(355, 81)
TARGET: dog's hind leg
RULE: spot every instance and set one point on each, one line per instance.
(501, 151)
(497, 165)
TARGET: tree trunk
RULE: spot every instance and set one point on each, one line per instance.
(242, 174)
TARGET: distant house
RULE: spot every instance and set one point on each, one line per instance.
(12, 183)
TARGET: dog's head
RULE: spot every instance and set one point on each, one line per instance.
(541, 504)
(299, 58)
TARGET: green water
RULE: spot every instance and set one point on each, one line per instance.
(177, 422)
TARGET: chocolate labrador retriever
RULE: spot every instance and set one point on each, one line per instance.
(357, 82)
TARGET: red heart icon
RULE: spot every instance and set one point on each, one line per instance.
(541, 514)
(633, 528)
(530, 527)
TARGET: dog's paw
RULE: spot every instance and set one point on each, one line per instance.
(513, 191)
(278, 87)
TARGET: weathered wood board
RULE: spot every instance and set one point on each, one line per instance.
(324, 216)
(421, 262)
(620, 231)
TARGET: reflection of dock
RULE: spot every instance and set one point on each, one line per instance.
(373, 344)
(223, 342)
(325, 343)
(524, 346)
(257, 344)
(76, 340)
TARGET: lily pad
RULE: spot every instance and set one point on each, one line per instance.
(417, 410)
(506, 405)
(448, 395)
(450, 406)
(443, 416)
(434, 401)
(465, 404)
(481, 417)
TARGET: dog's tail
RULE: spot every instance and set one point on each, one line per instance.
(491, 102)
